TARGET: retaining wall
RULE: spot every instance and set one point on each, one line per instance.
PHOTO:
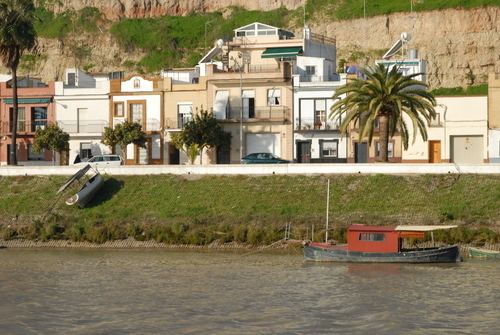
(261, 169)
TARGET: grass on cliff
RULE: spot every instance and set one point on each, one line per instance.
(248, 209)
(476, 90)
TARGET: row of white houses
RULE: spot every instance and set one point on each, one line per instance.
(271, 91)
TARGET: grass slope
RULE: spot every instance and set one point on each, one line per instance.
(246, 209)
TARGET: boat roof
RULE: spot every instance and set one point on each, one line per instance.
(423, 228)
(414, 228)
(74, 177)
(362, 227)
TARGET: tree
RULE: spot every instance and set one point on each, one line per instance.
(124, 134)
(17, 35)
(51, 138)
(385, 95)
(203, 131)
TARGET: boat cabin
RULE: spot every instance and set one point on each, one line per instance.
(364, 238)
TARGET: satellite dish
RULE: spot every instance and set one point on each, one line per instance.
(219, 43)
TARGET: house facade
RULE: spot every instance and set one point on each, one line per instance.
(139, 99)
(247, 84)
(82, 110)
(459, 134)
(316, 137)
(36, 110)
(494, 118)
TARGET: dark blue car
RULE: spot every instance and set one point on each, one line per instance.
(262, 158)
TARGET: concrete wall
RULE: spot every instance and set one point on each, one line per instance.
(494, 145)
(494, 101)
(264, 169)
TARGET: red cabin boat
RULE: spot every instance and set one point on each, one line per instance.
(382, 244)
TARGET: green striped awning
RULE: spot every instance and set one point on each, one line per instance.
(26, 101)
(284, 52)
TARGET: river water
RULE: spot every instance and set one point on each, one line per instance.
(167, 292)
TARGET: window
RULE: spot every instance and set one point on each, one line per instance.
(137, 83)
(319, 114)
(310, 70)
(118, 109)
(137, 113)
(329, 148)
(21, 118)
(71, 79)
(85, 151)
(274, 97)
(371, 236)
(35, 156)
(39, 118)
(185, 114)
(390, 149)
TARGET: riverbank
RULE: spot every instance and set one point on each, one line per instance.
(198, 210)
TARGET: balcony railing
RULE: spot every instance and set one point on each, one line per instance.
(312, 124)
(23, 127)
(317, 79)
(265, 113)
(263, 68)
(87, 126)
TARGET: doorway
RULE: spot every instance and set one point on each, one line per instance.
(224, 154)
(361, 152)
(303, 151)
(434, 151)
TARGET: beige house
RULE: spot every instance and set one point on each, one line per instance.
(247, 84)
(494, 117)
(141, 100)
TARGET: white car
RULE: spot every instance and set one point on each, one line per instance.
(102, 161)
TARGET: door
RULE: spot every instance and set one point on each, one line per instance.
(173, 155)
(303, 151)
(264, 142)
(467, 149)
(361, 152)
(434, 151)
(223, 154)
(143, 154)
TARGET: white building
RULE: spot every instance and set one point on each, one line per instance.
(82, 110)
(138, 99)
(459, 133)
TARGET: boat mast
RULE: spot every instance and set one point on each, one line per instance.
(327, 209)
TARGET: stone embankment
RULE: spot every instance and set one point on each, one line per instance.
(131, 243)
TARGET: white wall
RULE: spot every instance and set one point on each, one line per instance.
(153, 109)
(494, 145)
(460, 116)
(262, 169)
(144, 85)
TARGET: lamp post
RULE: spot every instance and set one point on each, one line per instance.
(240, 70)
(206, 24)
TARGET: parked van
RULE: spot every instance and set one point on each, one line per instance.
(102, 161)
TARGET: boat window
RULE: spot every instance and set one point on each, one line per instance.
(371, 237)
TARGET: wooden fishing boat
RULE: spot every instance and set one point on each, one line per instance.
(483, 253)
(382, 245)
(87, 192)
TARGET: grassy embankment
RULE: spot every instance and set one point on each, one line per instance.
(250, 210)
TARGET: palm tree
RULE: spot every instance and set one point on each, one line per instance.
(385, 95)
(17, 35)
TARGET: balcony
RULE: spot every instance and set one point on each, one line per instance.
(23, 127)
(265, 113)
(318, 79)
(315, 125)
(87, 126)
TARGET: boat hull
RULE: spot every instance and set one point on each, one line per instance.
(483, 253)
(87, 192)
(449, 254)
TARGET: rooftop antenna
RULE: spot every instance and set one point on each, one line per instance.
(398, 45)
